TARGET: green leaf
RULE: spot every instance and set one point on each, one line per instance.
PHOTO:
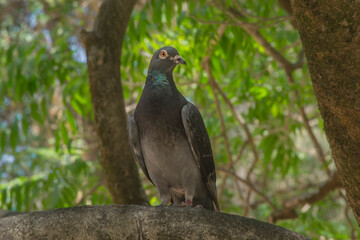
(275, 110)
(157, 12)
(64, 133)
(32, 85)
(3, 140)
(268, 145)
(14, 135)
(76, 105)
(57, 140)
(10, 54)
(40, 54)
(168, 12)
(26, 194)
(71, 121)
(25, 125)
(67, 196)
(279, 159)
(3, 196)
(55, 195)
(35, 113)
(68, 145)
(18, 197)
(259, 92)
(44, 107)
(179, 7)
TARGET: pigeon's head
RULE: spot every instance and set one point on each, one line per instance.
(165, 60)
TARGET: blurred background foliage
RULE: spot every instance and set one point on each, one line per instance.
(49, 152)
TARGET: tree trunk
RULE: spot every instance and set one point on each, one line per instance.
(330, 32)
(137, 222)
(103, 50)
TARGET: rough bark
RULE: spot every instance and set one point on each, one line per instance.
(7, 213)
(103, 50)
(330, 32)
(137, 222)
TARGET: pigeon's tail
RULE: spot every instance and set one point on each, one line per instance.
(211, 187)
(216, 202)
(217, 208)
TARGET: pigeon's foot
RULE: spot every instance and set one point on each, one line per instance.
(199, 206)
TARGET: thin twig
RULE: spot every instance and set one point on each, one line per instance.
(206, 65)
(308, 128)
(274, 21)
(244, 126)
(211, 22)
(347, 217)
(241, 151)
(294, 44)
(224, 134)
(247, 183)
(239, 155)
(289, 68)
(245, 14)
(290, 205)
(92, 191)
(252, 30)
(261, 24)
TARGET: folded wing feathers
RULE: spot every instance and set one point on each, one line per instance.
(201, 148)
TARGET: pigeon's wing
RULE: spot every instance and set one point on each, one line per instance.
(135, 145)
(201, 148)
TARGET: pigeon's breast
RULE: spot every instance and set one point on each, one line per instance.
(169, 160)
(165, 147)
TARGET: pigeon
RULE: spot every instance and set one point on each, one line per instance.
(169, 141)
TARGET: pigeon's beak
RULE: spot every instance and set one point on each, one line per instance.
(181, 60)
(178, 60)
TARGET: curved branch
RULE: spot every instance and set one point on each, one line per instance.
(290, 205)
(137, 222)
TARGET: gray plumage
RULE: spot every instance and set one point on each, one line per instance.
(169, 140)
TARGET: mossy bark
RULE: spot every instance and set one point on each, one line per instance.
(330, 32)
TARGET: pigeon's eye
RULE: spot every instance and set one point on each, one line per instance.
(163, 54)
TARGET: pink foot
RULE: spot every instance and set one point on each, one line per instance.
(199, 206)
(188, 202)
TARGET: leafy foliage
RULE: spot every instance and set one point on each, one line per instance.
(47, 119)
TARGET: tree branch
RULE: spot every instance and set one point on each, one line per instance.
(288, 67)
(244, 126)
(206, 63)
(252, 30)
(137, 222)
(290, 205)
(88, 194)
(308, 128)
(103, 51)
(249, 184)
